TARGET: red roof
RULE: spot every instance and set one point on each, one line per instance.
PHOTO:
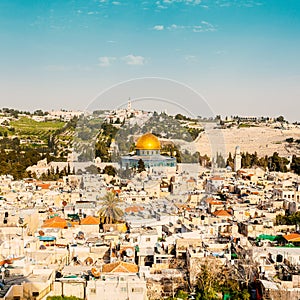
(56, 222)
(120, 267)
(191, 180)
(133, 209)
(217, 178)
(44, 186)
(90, 220)
(221, 213)
(292, 237)
(213, 201)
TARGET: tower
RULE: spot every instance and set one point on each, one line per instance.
(129, 105)
(237, 159)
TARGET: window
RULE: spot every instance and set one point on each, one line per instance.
(123, 289)
(137, 290)
(148, 239)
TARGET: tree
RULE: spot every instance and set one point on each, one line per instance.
(92, 169)
(295, 165)
(110, 210)
(220, 162)
(208, 280)
(290, 140)
(213, 279)
(230, 161)
(280, 119)
(109, 170)
(141, 166)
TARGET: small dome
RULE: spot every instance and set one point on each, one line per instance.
(148, 141)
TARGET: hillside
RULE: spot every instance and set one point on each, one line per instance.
(263, 139)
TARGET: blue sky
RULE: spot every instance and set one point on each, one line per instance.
(241, 55)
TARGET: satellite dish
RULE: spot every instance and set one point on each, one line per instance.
(80, 235)
(129, 252)
(88, 261)
(95, 272)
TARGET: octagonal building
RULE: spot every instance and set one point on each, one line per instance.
(148, 149)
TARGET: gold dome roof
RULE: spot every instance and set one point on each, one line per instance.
(148, 141)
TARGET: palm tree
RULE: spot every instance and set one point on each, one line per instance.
(110, 210)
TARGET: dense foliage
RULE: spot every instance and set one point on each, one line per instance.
(218, 280)
(293, 219)
(16, 156)
(273, 163)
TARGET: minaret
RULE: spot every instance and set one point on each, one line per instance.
(129, 105)
(237, 159)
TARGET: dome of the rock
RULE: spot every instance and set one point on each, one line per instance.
(148, 141)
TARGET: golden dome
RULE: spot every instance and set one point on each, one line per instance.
(148, 141)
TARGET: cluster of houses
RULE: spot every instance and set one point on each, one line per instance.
(53, 242)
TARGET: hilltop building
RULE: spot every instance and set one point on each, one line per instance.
(148, 150)
(237, 159)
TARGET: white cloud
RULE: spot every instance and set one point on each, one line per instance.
(116, 3)
(130, 59)
(134, 60)
(176, 27)
(204, 27)
(106, 61)
(158, 27)
(220, 52)
(238, 3)
(173, 26)
(190, 58)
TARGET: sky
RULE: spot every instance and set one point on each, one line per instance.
(240, 56)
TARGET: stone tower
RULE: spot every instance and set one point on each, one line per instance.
(129, 105)
(237, 159)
